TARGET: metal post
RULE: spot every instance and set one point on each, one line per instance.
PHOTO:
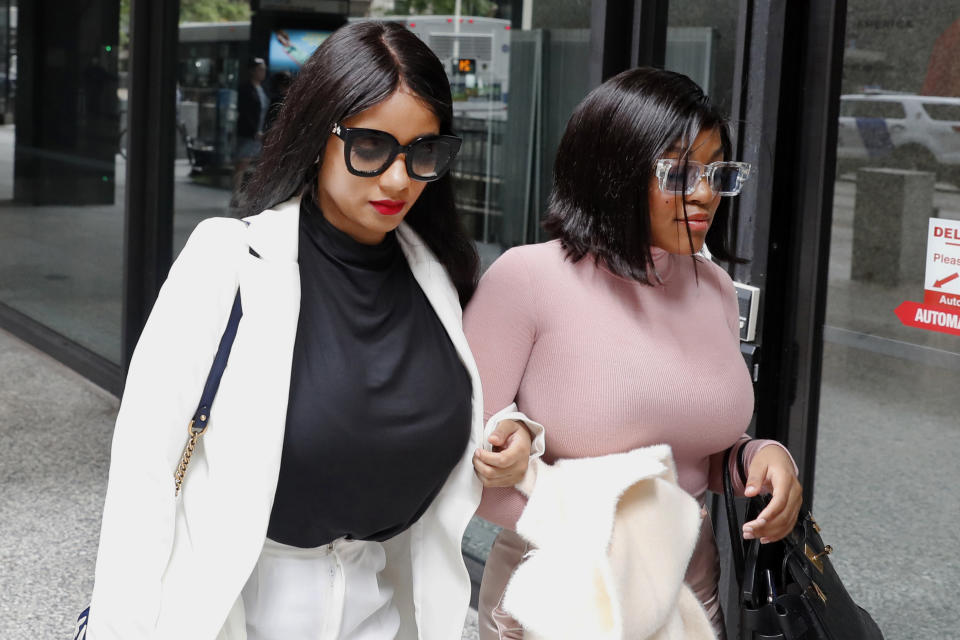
(611, 36)
(649, 42)
(151, 147)
(489, 171)
(6, 57)
(624, 35)
(456, 30)
(804, 182)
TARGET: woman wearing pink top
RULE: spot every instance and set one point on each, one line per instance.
(617, 335)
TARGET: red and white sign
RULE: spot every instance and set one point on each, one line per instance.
(921, 316)
(940, 309)
(942, 281)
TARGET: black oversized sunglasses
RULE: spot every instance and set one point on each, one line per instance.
(368, 153)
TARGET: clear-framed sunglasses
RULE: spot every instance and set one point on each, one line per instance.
(682, 177)
(368, 153)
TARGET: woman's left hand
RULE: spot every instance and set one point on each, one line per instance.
(772, 471)
(506, 465)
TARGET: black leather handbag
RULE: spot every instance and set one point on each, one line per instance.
(788, 590)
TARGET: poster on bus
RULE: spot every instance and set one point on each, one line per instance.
(290, 48)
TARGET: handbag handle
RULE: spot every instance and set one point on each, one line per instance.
(733, 522)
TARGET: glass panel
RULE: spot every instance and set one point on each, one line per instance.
(62, 166)
(943, 110)
(514, 90)
(888, 437)
(214, 52)
(867, 107)
(701, 43)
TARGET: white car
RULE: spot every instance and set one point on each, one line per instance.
(900, 130)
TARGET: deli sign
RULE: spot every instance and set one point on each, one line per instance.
(940, 310)
(942, 282)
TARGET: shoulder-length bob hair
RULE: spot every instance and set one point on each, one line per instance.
(359, 66)
(606, 161)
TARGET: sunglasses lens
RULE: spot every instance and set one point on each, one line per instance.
(430, 158)
(369, 153)
(726, 179)
(682, 178)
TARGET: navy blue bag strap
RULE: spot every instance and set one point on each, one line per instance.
(201, 417)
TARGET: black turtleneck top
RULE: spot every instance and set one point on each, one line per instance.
(380, 403)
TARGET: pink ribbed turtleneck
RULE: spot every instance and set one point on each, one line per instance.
(608, 365)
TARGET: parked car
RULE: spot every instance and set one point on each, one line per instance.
(900, 130)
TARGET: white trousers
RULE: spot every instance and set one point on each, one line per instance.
(325, 593)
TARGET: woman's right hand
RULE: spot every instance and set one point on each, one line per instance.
(507, 464)
(772, 471)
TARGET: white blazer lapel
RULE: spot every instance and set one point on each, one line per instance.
(435, 539)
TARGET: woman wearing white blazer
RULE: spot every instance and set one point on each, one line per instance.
(330, 494)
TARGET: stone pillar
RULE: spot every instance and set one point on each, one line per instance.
(890, 225)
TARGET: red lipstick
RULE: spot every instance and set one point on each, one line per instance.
(388, 207)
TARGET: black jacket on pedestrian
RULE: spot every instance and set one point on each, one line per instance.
(248, 111)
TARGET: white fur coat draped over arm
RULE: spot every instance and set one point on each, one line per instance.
(613, 536)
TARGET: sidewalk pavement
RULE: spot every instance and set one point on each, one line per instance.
(55, 433)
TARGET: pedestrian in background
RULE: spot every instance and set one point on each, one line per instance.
(252, 106)
(279, 85)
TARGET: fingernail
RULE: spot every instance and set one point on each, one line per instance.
(761, 521)
(764, 540)
(748, 528)
(747, 535)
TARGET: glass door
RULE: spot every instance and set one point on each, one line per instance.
(889, 431)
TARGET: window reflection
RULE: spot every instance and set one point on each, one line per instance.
(62, 167)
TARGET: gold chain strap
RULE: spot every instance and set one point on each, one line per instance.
(187, 454)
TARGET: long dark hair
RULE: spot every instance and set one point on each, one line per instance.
(599, 204)
(358, 66)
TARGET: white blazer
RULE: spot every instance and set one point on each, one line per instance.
(174, 567)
